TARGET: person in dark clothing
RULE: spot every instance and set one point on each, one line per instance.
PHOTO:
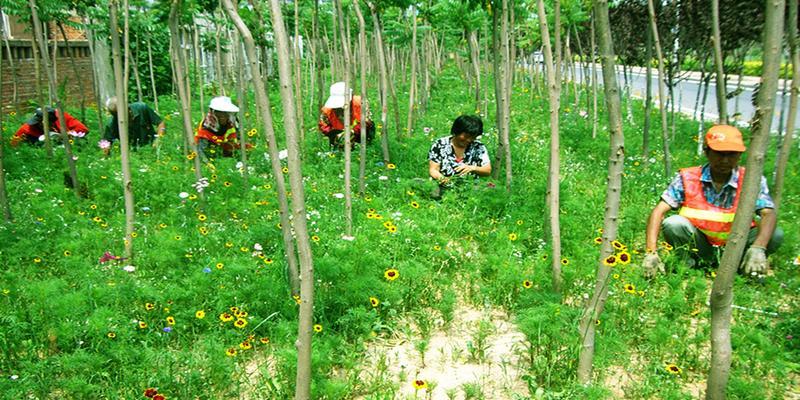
(141, 120)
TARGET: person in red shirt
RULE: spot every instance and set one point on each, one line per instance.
(218, 129)
(32, 131)
(331, 119)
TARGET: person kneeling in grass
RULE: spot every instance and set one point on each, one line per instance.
(32, 131)
(141, 122)
(218, 129)
(459, 154)
(706, 198)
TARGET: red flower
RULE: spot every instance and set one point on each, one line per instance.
(109, 257)
(151, 392)
(159, 397)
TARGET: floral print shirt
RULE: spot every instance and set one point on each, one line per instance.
(442, 153)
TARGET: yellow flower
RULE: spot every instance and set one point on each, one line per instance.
(616, 276)
(201, 217)
(285, 170)
(624, 258)
(297, 299)
(598, 240)
(220, 265)
(241, 314)
(240, 323)
(673, 369)
(374, 301)
(437, 247)
(228, 244)
(203, 230)
(227, 184)
(367, 198)
(149, 306)
(162, 225)
(191, 156)
(317, 328)
(414, 204)
(391, 166)
(264, 340)
(67, 253)
(245, 345)
(142, 325)
(419, 384)
(192, 197)
(527, 284)
(171, 320)
(177, 237)
(315, 238)
(564, 261)
(231, 352)
(512, 236)
(244, 249)
(111, 335)
(93, 206)
(200, 314)
(174, 167)
(225, 317)
(629, 288)
(234, 309)
(410, 192)
(37, 260)
(252, 132)
(618, 245)
(392, 229)
(610, 261)
(268, 261)
(391, 274)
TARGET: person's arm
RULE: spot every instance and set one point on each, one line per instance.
(324, 124)
(766, 227)
(654, 225)
(161, 129)
(73, 124)
(434, 170)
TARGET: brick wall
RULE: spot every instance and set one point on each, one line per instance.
(26, 75)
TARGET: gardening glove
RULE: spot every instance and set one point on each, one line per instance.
(652, 265)
(755, 261)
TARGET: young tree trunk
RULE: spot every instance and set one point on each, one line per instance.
(616, 160)
(318, 57)
(412, 86)
(298, 78)
(218, 61)
(303, 381)
(786, 147)
(557, 38)
(74, 67)
(701, 127)
(661, 90)
(475, 58)
(379, 49)
(263, 104)
(153, 77)
(362, 43)
(506, 93)
(722, 98)
(42, 103)
(243, 102)
(122, 124)
(648, 97)
(135, 63)
(3, 194)
(98, 101)
(499, 82)
(393, 95)
(700, 91)
(51, 79)
(594, 80)
(553, 191)
(348, 201)
(179, 63)
(14, 75)
(722, 289)
(198, 67)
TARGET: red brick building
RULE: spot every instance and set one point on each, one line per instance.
(17, 43)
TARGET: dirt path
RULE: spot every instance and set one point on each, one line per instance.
(476, 357)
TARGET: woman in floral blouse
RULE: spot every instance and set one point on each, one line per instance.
(460, 153)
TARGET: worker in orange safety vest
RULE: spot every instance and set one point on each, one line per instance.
(331, 119)
(706, 199)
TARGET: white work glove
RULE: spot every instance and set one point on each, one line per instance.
(755, 261)
(652, 265)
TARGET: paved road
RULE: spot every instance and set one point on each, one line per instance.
(686, 95)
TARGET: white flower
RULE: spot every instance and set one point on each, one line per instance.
(258, 247)
(37, 190)
(338, 195)
(14, 377)
(76, 134)
(129, 268)
(104, 144)
(652, 160)
(239, 165)
(348, 238)
(383, 178)
(183, 195)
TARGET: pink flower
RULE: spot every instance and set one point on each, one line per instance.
(110, 257)
(104, 144)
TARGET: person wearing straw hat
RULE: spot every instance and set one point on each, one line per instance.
(706, 198)
(331, 119)
(32, 131)
(218, 129)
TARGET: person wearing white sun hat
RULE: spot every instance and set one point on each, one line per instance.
(218, 129)
(331, 119)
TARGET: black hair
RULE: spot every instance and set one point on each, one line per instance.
(469, 124)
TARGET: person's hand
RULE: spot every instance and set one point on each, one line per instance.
(755, 261)
(652, 265)
(443, 180)
(463, 169)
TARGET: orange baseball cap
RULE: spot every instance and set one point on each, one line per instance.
(725, 138)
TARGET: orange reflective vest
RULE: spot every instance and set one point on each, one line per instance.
(715, 222)
(338, 125)
(229, 135)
